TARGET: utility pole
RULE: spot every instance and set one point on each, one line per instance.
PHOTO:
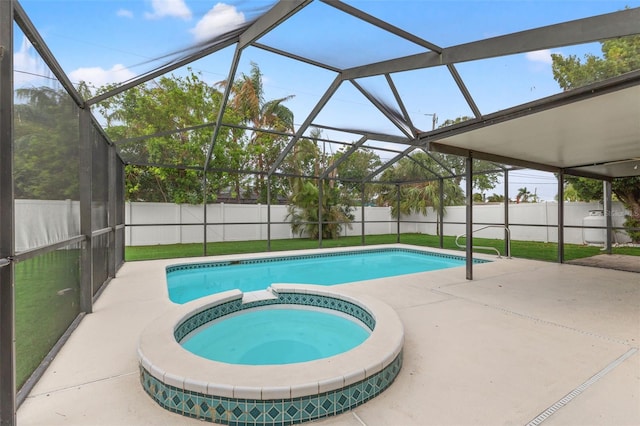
(434, 120)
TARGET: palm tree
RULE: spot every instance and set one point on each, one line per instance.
(523, 195)
(248, 102)
(303, 210)
(495, 198)
(417, 196)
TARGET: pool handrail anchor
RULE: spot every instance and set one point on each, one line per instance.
(506, 228)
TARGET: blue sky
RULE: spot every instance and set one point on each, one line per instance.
(109, 41)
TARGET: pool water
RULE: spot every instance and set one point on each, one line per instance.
(276, 336)
(191, 283)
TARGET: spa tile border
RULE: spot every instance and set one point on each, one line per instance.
(268, 412)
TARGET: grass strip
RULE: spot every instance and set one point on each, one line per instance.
(522, 249)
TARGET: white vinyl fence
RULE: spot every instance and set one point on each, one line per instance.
(240, 222)
(41, 222)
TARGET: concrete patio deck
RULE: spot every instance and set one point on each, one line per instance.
(525, 342)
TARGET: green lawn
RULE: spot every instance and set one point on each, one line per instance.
(47, 301)
(521, 249)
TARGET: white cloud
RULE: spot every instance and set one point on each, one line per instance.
(28, 65)
(220, 19)
(169, 8)
(543, 56)
(97, 76)
(124, 13)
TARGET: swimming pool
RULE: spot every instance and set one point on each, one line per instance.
(187, 282)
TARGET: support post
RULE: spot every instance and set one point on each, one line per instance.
(320, 213)
(7, 289)
(469, 221)
(268, 213)
(86, 223)
(113, 205)
(561, 216)
(398, 210)
(204, 212)
(507, 234)
(440, 223)
(362, 218)
(608, 217)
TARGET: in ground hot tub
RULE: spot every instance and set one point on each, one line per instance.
(231, 393)
(276, 335)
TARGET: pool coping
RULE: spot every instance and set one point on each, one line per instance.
(164, 358)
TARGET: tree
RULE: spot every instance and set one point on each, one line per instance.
(46, 147)
(253, 110)
(306, 159)
(304, 207)
(619, 56)
(356, 167)
(421, 190)
(167, 105)
(481, 181)
(570, 193)
(495, 198)
(523, 195)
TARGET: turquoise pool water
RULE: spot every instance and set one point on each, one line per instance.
(189, 282)
(276, 336)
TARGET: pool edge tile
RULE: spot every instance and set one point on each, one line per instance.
(219, 390)
(354, 377)
(329, 385)
(283, 392)
(247, 392)
(195, 386)
(305, 389)
(173, 380)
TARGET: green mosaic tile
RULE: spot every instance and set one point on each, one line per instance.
(274, 412)
(355, 393)
(325, 406)
(341, 400)
(310, 408)
(293, 410)
(220, 409)
(368, 389)
(237, 412)
(190, 402)
(255, 414)
(244, 417)
(204, 408)
(175, 401)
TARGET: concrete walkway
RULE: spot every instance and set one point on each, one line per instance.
(525, 342)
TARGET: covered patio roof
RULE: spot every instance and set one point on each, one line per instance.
(592, 132)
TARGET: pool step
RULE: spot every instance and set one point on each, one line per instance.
(253, 296)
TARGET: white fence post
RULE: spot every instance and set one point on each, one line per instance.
(222, 219)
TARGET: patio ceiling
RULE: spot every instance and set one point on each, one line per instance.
(593, 132)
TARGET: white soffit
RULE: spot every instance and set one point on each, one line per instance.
(589, 133)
